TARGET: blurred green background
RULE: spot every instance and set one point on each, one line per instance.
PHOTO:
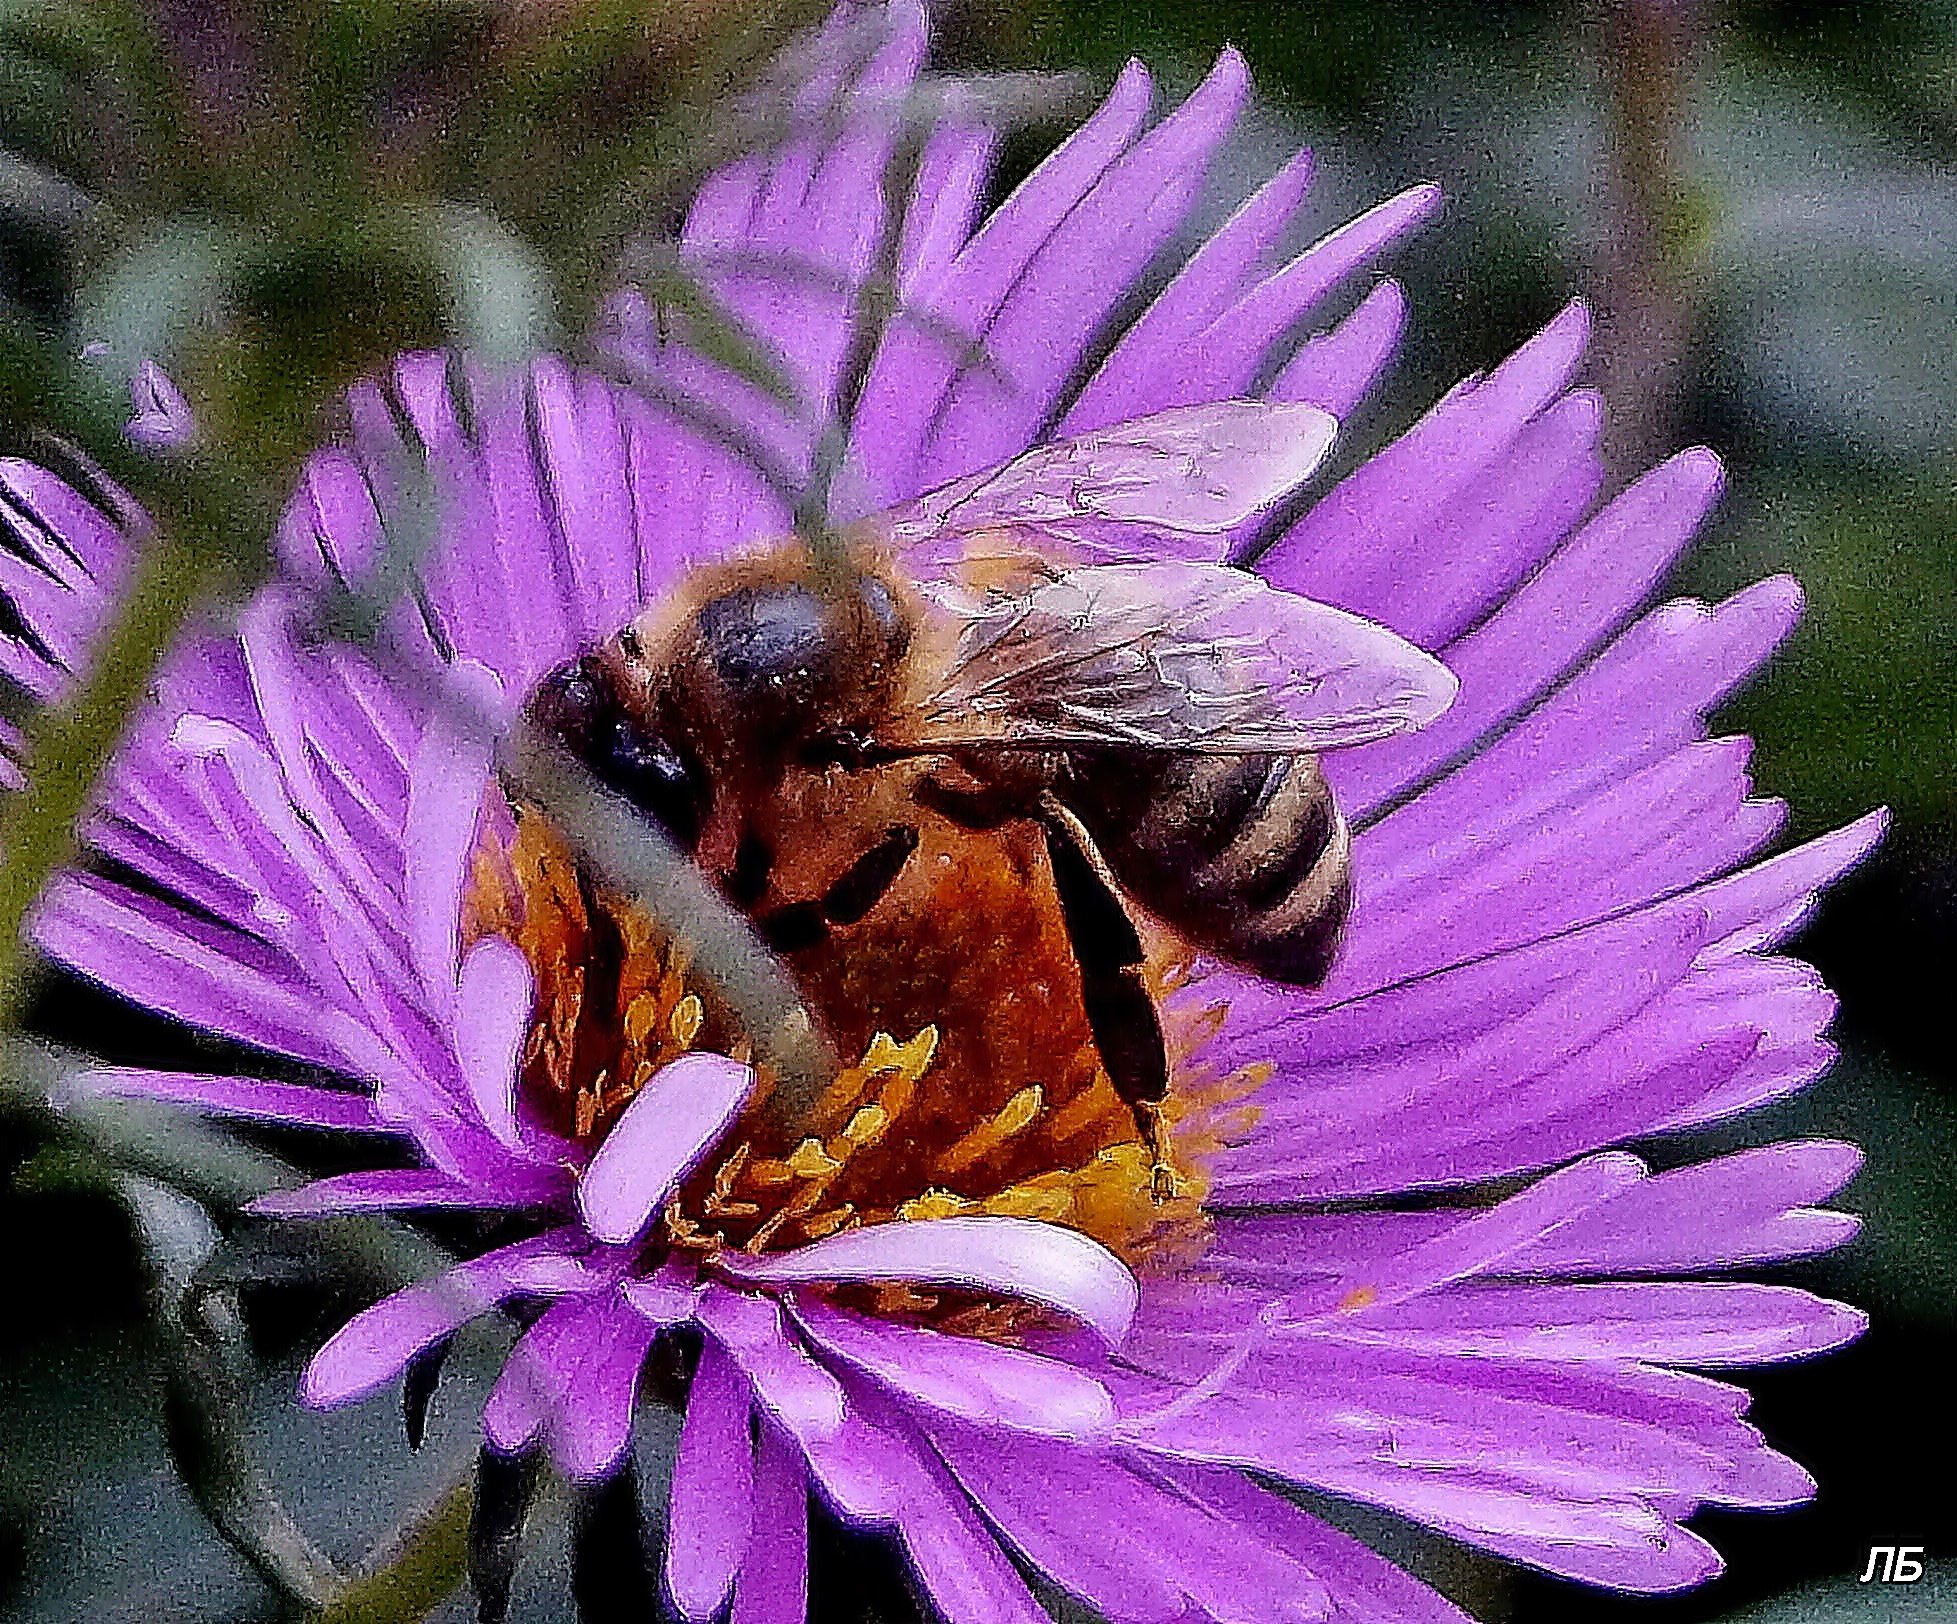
(1760, 200)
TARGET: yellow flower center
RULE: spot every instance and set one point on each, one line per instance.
(978, 1088)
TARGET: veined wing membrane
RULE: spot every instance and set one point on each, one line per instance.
(1175, 656)
(1173, 485)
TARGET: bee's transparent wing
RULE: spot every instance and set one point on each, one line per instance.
(1169, 486)
(1175, 656)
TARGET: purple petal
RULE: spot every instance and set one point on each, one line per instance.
(1128, 383)
(66, 534)
(532, 1388)
(1362, 1584)
(595, 1429)
(492, 1019)
(671, 1124)
(1464, 557)
(711, 1508)
(773, 1587)
(913, 375)
(954, 1555)
(1055, 1506)
(1227, 355)
(254, 1098)
(1738, 1209)
(444, 802)
(1361, 525)
(229, 985)
(405, 1189)
(1052, 305)
(1380, 1078)
(966, 1377)
(1761, 905)
(1589, 1431)
(1672, 1322)
(1553, 620)
(1645, 697)
(376, 1345)
(1749, 1207)
(668, 1296)
(1137, 1550)
(573, 1378)
(798, 1392)
(849, 1459)
(1338, 370)
(1477, 1246)
(1043, 1263)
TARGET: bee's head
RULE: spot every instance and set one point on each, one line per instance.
(786, 665)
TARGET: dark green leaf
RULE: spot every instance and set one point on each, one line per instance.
(420, 1573)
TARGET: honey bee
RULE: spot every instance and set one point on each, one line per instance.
(1054, 655)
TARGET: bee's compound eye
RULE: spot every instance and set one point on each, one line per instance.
(570, 702)
(655, 777)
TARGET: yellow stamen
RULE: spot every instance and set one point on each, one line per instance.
(1015, 1116)
(866, 1127)
(687, 1018)
(811, 1160)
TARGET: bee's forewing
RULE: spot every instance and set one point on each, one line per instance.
(1180, 656)
(1174, 485)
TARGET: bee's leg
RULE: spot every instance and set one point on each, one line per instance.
(798, 925)
(747, 881)
(864, 882)
(1108, 950)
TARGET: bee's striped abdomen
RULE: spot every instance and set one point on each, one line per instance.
(1247, 856)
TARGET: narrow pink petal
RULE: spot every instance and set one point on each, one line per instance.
(1337, 370)
(1762, 904)
(670, 1125)
(532, 1388)
(1692, 1323)
(376, 1345)
(711, 1508)
(773, 1587)
(797, 1391)
(1750, 1207)
(1477, 1246)
(291, 1105)
(956, 1558)
(492, 1018)
(162, 419)
(964, 1376)
(451, 770)
(1130, 382)
(593, 1428)
(1042, 1263)
(405, 1189)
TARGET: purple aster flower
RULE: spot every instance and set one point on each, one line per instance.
(958, 1305)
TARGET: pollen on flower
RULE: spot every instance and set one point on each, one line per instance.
(978, 1088)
